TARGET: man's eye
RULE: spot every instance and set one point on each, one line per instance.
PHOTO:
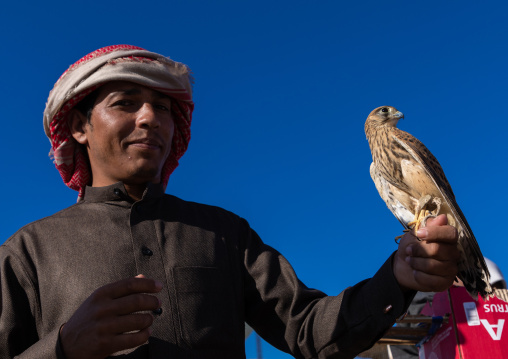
(162, 107)
(123, 103)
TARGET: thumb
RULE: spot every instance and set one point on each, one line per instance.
(440, 220)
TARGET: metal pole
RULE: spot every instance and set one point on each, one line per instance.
(258, 346)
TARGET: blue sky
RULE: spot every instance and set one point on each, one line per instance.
(282, 91)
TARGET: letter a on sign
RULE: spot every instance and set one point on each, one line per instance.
(490, 328)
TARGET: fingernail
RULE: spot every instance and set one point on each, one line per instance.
(408, 259)
(158, 284)
(422, 233)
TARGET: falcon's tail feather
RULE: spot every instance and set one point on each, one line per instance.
(474, 274)
(474, 285)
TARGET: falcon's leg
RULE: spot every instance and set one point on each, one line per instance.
(433, 213)
(427, 207)
(420, 212)
(422, 216)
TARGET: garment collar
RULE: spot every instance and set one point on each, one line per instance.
(117, 192)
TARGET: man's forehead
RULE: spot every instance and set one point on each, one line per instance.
(128, 88)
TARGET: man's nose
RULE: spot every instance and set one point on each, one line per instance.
(146, 116)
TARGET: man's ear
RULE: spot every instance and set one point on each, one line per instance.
(77, 124)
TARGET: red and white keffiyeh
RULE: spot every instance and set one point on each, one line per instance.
(115, 63)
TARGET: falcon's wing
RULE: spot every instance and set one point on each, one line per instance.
(426, 159)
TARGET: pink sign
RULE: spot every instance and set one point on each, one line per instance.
(476, 329)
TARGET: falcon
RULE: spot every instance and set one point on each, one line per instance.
(414, 187)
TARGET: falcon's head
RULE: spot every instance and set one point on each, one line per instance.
(384, 116)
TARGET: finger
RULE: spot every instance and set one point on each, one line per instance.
(436, 251)
(134, 303)
(444, 234)
(440, 220)
(130, 323)
(432, 283)
(433, 266)
(129, 340)
(129, 286)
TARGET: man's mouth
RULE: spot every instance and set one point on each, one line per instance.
(146, 143)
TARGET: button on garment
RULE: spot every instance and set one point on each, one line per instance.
(157, 311)
(146, 251)
(150, 262)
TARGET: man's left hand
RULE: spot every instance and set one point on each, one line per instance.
(429, 265)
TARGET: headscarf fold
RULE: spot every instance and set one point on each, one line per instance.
(115, 63)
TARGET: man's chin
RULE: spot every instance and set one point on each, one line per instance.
(143, 176)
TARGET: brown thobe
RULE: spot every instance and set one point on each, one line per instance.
(216, 271)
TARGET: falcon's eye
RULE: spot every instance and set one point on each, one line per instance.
(384, 109)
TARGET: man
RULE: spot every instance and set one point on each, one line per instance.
(130, 271)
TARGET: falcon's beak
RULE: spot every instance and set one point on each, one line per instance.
(399, 114)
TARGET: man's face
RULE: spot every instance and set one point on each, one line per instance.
(129, 134)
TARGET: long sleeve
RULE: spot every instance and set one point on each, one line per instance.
(315, 325)
(20, 312)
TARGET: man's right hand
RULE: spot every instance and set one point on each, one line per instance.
(97, 328)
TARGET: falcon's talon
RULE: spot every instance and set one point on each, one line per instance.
(420, 220)
(397, 239)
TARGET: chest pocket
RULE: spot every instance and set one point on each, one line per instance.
(206, 307)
